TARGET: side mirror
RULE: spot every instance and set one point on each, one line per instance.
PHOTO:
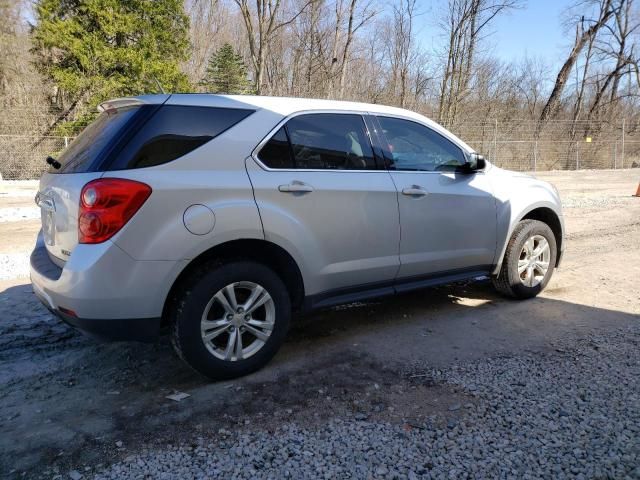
(475, 162)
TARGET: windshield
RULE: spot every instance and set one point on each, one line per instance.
(81, 153)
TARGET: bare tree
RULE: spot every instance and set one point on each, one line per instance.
(401, 43)
(207, 25)
(586, 30)
(262, 23)
(618, 44)
(357, 19)
(529, 81)
(464, 26)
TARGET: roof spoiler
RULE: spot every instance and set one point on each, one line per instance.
(114, 104)
(117, 103)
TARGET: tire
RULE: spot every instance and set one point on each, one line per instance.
(511, 283)
(201, 292)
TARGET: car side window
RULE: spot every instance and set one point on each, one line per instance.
(415, 147)
(174, 131)
(323, 141)
(277, 151)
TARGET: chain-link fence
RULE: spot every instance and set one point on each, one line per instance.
(26, 139)
(560, 145)
(24, 156)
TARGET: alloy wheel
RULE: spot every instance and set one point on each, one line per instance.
(533, 262)
(237, 321)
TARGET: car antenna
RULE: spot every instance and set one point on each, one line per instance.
(159, 85)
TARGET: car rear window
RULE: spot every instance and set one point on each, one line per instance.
(85, 150)
(173, 131)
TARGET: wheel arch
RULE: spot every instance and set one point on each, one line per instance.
(551, 218)
(261, 251)
(544, 214)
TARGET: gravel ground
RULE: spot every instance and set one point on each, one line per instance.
(13, 214)
(570, 414)
(14, 265)
(451, 382)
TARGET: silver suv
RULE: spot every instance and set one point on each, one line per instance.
(219, 216)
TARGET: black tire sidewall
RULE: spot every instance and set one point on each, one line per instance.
(193, 301)
(532, 228)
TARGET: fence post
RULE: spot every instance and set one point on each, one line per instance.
(577, 156)
(622, 152)
(615, 155)
(495, 141)
(66, 141)
(535, 155)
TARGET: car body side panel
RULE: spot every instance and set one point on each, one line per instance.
(345, 232)
(516, 195)
(158, 232)
(451, 227)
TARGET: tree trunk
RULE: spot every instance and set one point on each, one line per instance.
(553, 102)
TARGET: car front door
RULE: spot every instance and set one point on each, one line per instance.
(447, 215)
(324, 197)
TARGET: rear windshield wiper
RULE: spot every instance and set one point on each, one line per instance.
(54, 163)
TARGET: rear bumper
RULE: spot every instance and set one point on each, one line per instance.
(115, 329)
(103, 291)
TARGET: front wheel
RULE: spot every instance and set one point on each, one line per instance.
(230, 318)
(529, 260)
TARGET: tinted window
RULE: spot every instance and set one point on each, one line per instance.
(415, 147)
(277, 152)
(330, 141)
(174, 131)
(87, 147)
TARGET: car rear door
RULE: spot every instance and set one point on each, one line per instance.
(323, 197)
(447, 216)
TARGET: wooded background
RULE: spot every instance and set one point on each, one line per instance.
(60, 58)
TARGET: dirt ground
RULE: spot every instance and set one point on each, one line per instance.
(67, 401)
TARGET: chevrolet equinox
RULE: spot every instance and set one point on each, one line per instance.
(218, 216)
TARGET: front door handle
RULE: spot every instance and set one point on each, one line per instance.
(414, 191)
(296, 187)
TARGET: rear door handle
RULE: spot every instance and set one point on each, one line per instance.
(296, 187)
(414, 191)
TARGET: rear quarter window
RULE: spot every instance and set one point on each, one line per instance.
(174, 131)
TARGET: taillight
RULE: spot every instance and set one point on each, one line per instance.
(106, 205)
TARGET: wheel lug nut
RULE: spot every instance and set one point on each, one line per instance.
(229, 317)
(231, 329)
(247, 317)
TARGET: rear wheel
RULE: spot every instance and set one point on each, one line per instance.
(528, 261)
(230, 319)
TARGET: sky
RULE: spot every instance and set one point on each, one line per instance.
(535, 30)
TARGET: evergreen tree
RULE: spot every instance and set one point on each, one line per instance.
(226, 72)
(93, 50)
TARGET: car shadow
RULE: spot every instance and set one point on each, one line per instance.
(67, 398)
